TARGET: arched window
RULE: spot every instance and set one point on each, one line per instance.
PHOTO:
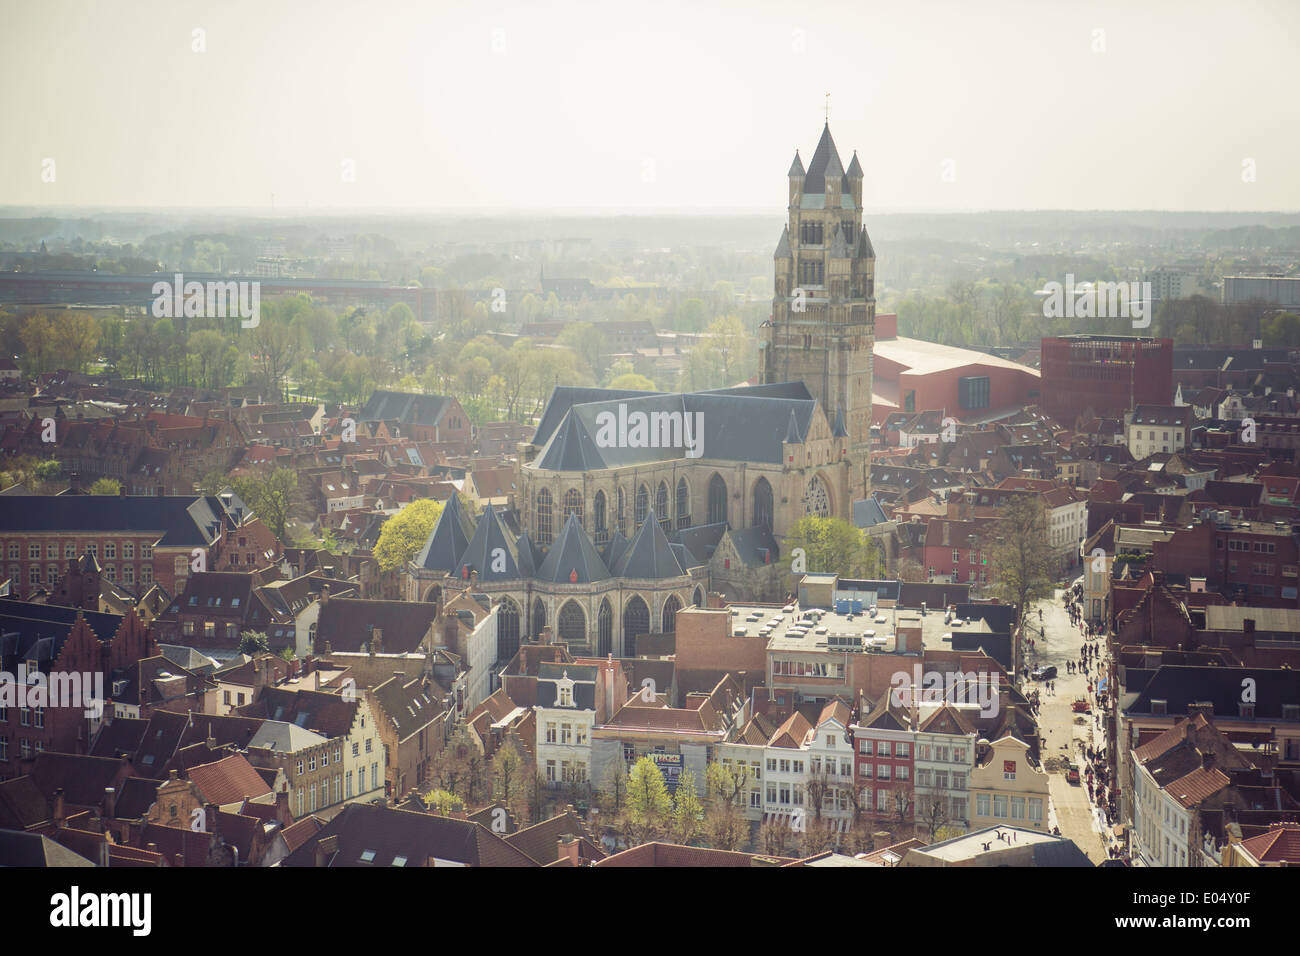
(434, 595)
(605, 625)
(636, 621)
(572, 504)
(699, 597)
(598, 518)
(762, 505)
(622, 514)
(817, 500)
(572, 623)
(539, 616)
(717, 499)
(544, 517)
(507, 630)
(683, 504)
(642, 505)
(661, 506)
(671, 607)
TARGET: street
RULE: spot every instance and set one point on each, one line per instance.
(1071, 809)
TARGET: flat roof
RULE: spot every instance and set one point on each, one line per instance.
(972, 844)
(780, 638)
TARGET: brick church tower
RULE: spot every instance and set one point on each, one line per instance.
(822, 329)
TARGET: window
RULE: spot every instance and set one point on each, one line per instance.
(110, 550)
(999, 805)
(982, 805)
(33, 552)
(864, 747)
(128, 550)
(566, 733)
(52, 551)
(642, 505)
(311, 762)
(300, 766)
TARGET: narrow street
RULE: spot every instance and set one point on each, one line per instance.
(1071, 809)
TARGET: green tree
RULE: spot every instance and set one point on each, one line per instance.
(510, 774)
(443, 802)
(402, 535)
(831, 545)
(271, 497)
(634, 382)
(649, 807)
(688, 810)
(254, 642)
(106, 486)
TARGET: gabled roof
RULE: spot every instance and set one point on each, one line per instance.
(35, 850)
(448, 540)
(405, 407)
(228, 780)
(649, 556)
(573, 552)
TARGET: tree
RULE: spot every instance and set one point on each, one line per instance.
(271, 497)
(725, 827)
(106, 486)
(1019, 553)
(649, 807)
(933, 810)
(688, 811)
(831, 545)
(510, 774)
(76, 339)
(253, 643)
(443, 802)
(402, 535)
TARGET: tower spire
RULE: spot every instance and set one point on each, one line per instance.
(828, 109)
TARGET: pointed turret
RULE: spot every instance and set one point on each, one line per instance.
(573, 559)
(865, 250)
(493, 552)
(649, 556)
(783, 245)
(792, 436)
(855, 168)
(796, 168)
(841, 245)
(825, 163)
(839, 431)
(448, 540)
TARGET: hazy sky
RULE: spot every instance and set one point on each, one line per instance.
(555, 104)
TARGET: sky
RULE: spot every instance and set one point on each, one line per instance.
(560, 105)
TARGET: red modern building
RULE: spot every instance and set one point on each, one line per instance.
(911, 375)
(1108, 374)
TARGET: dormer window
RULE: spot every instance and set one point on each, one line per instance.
(564, 690)
(1159, 706)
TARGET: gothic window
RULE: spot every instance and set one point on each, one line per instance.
(717, 499)
(622, 514)
(544, 517)
(817, 500)
(572, 623)
(507, 629)
(573, 504)
(699, 597)
(661, 506)
(762, 505)
(683, 504)
(642, 505)
(539, 616)
(671, 607)
(598, 518)
(605, 627)
(636, 621)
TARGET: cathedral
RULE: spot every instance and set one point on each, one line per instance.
(631, 505)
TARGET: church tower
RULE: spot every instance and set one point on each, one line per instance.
(822, 329)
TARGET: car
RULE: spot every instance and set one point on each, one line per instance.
(1044, 673)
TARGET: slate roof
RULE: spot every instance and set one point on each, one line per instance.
(739, 424)
(855, 168)
(407, 703)
(35, 850)
(614, 548)
(180, 520)
(448, 540)
(700, 540)
(490, 535)
(22, 805)
(32, 622)
(404, 407)
(825, 162)
(573, 551)
(649, 556)
(367, 835)
(347, 623)
(284, 737)
(796, 167)
(584, 684)
(1182, 685)
(783, 245)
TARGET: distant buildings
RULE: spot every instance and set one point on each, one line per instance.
(1108, 374)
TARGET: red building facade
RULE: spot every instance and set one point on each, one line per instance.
(1109, 374)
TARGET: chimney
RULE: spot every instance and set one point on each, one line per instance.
(211, 812)
(109, 805)
(568, 850)
(324, 594)
(59, 817)
(1207, 759)
(74, 483)
(377, 640)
